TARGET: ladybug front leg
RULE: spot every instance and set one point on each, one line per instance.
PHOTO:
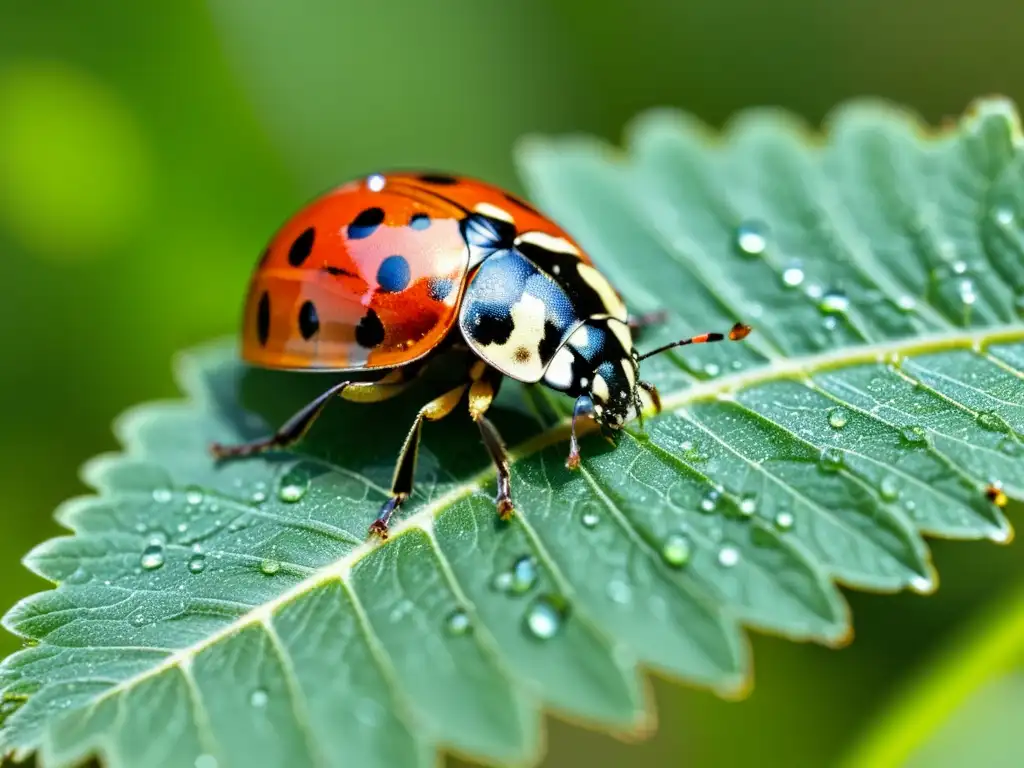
(405, 469)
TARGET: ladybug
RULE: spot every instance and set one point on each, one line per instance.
(381, 274)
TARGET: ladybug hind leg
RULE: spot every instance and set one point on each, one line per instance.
(298, 425)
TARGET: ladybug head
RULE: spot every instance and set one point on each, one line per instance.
(615, 391)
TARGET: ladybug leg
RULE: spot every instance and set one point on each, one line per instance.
(290, 433)
(298, 425)
(405, 469)
(482, 392)
(584, 407)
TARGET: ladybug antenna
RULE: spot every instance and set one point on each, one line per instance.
(736, 333)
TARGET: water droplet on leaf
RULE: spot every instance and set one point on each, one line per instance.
(752, 237)
(837, 417)
(197, 563)
(914, 434)
(748, 506)
(259, 698)
(270, 566)
(888, 488)
(544, 618)
(524, 574)
(457, 622)
(728, 556)
(906, 303)
(193, 496)
(710, 501)
(834, 302)
(152, 557)
(294, 485)
(784, 521)
(590, 518)
(162, 495)
(676, 550)
(831, 459)
(792, 276)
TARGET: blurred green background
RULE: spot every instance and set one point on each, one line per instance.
(148, 150)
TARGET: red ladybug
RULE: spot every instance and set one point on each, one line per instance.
(383, 273)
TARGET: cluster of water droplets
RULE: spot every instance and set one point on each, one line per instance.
(546, 613)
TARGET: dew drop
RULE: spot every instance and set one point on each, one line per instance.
(293, 485)
(837, 417)
(524, 574)
(710, 501)
(619, 591)
(139, 619)
(269, 566)
(784, 521)
(197, 563)
(259, 698)
(966, 291)
(502, 582)
(162, 495)
(914, 434)
(991, 421)
(79, 576)
(792, 276)
(728, 556)
(589, 518)
(1004, 215)
(834, 302)
(711, 370)
(831, 459)
(457, 622)
(752, 237)
(748, 506)
(906, 303)
(152, 557)
(676, 550)
(959, 267)
(141, 527)
(182, 527)
(888, 488)
(193, 496)
(544, 618)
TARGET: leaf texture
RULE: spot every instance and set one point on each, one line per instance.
(234, 615)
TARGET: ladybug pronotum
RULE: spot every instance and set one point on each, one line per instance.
(383, 273)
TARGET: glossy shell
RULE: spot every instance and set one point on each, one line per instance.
(373, 275)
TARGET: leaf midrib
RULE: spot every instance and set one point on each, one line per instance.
(422, 519)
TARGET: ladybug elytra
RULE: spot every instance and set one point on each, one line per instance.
(380, 274)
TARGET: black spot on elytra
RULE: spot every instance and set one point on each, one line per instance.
(370, 331)
(263, 319)
(438, 178)
(394, 274)
(419, 221)
(486, 328)
(366, 223)
(301, 247)
(521, 203)
(309, 321)
(551, 341)
(440, 288)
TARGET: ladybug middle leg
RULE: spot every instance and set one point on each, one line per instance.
(483, 390)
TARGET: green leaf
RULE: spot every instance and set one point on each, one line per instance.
(236, 614)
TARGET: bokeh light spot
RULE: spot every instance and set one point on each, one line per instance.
(75, 175)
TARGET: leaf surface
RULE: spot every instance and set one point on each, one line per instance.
(235, 613)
